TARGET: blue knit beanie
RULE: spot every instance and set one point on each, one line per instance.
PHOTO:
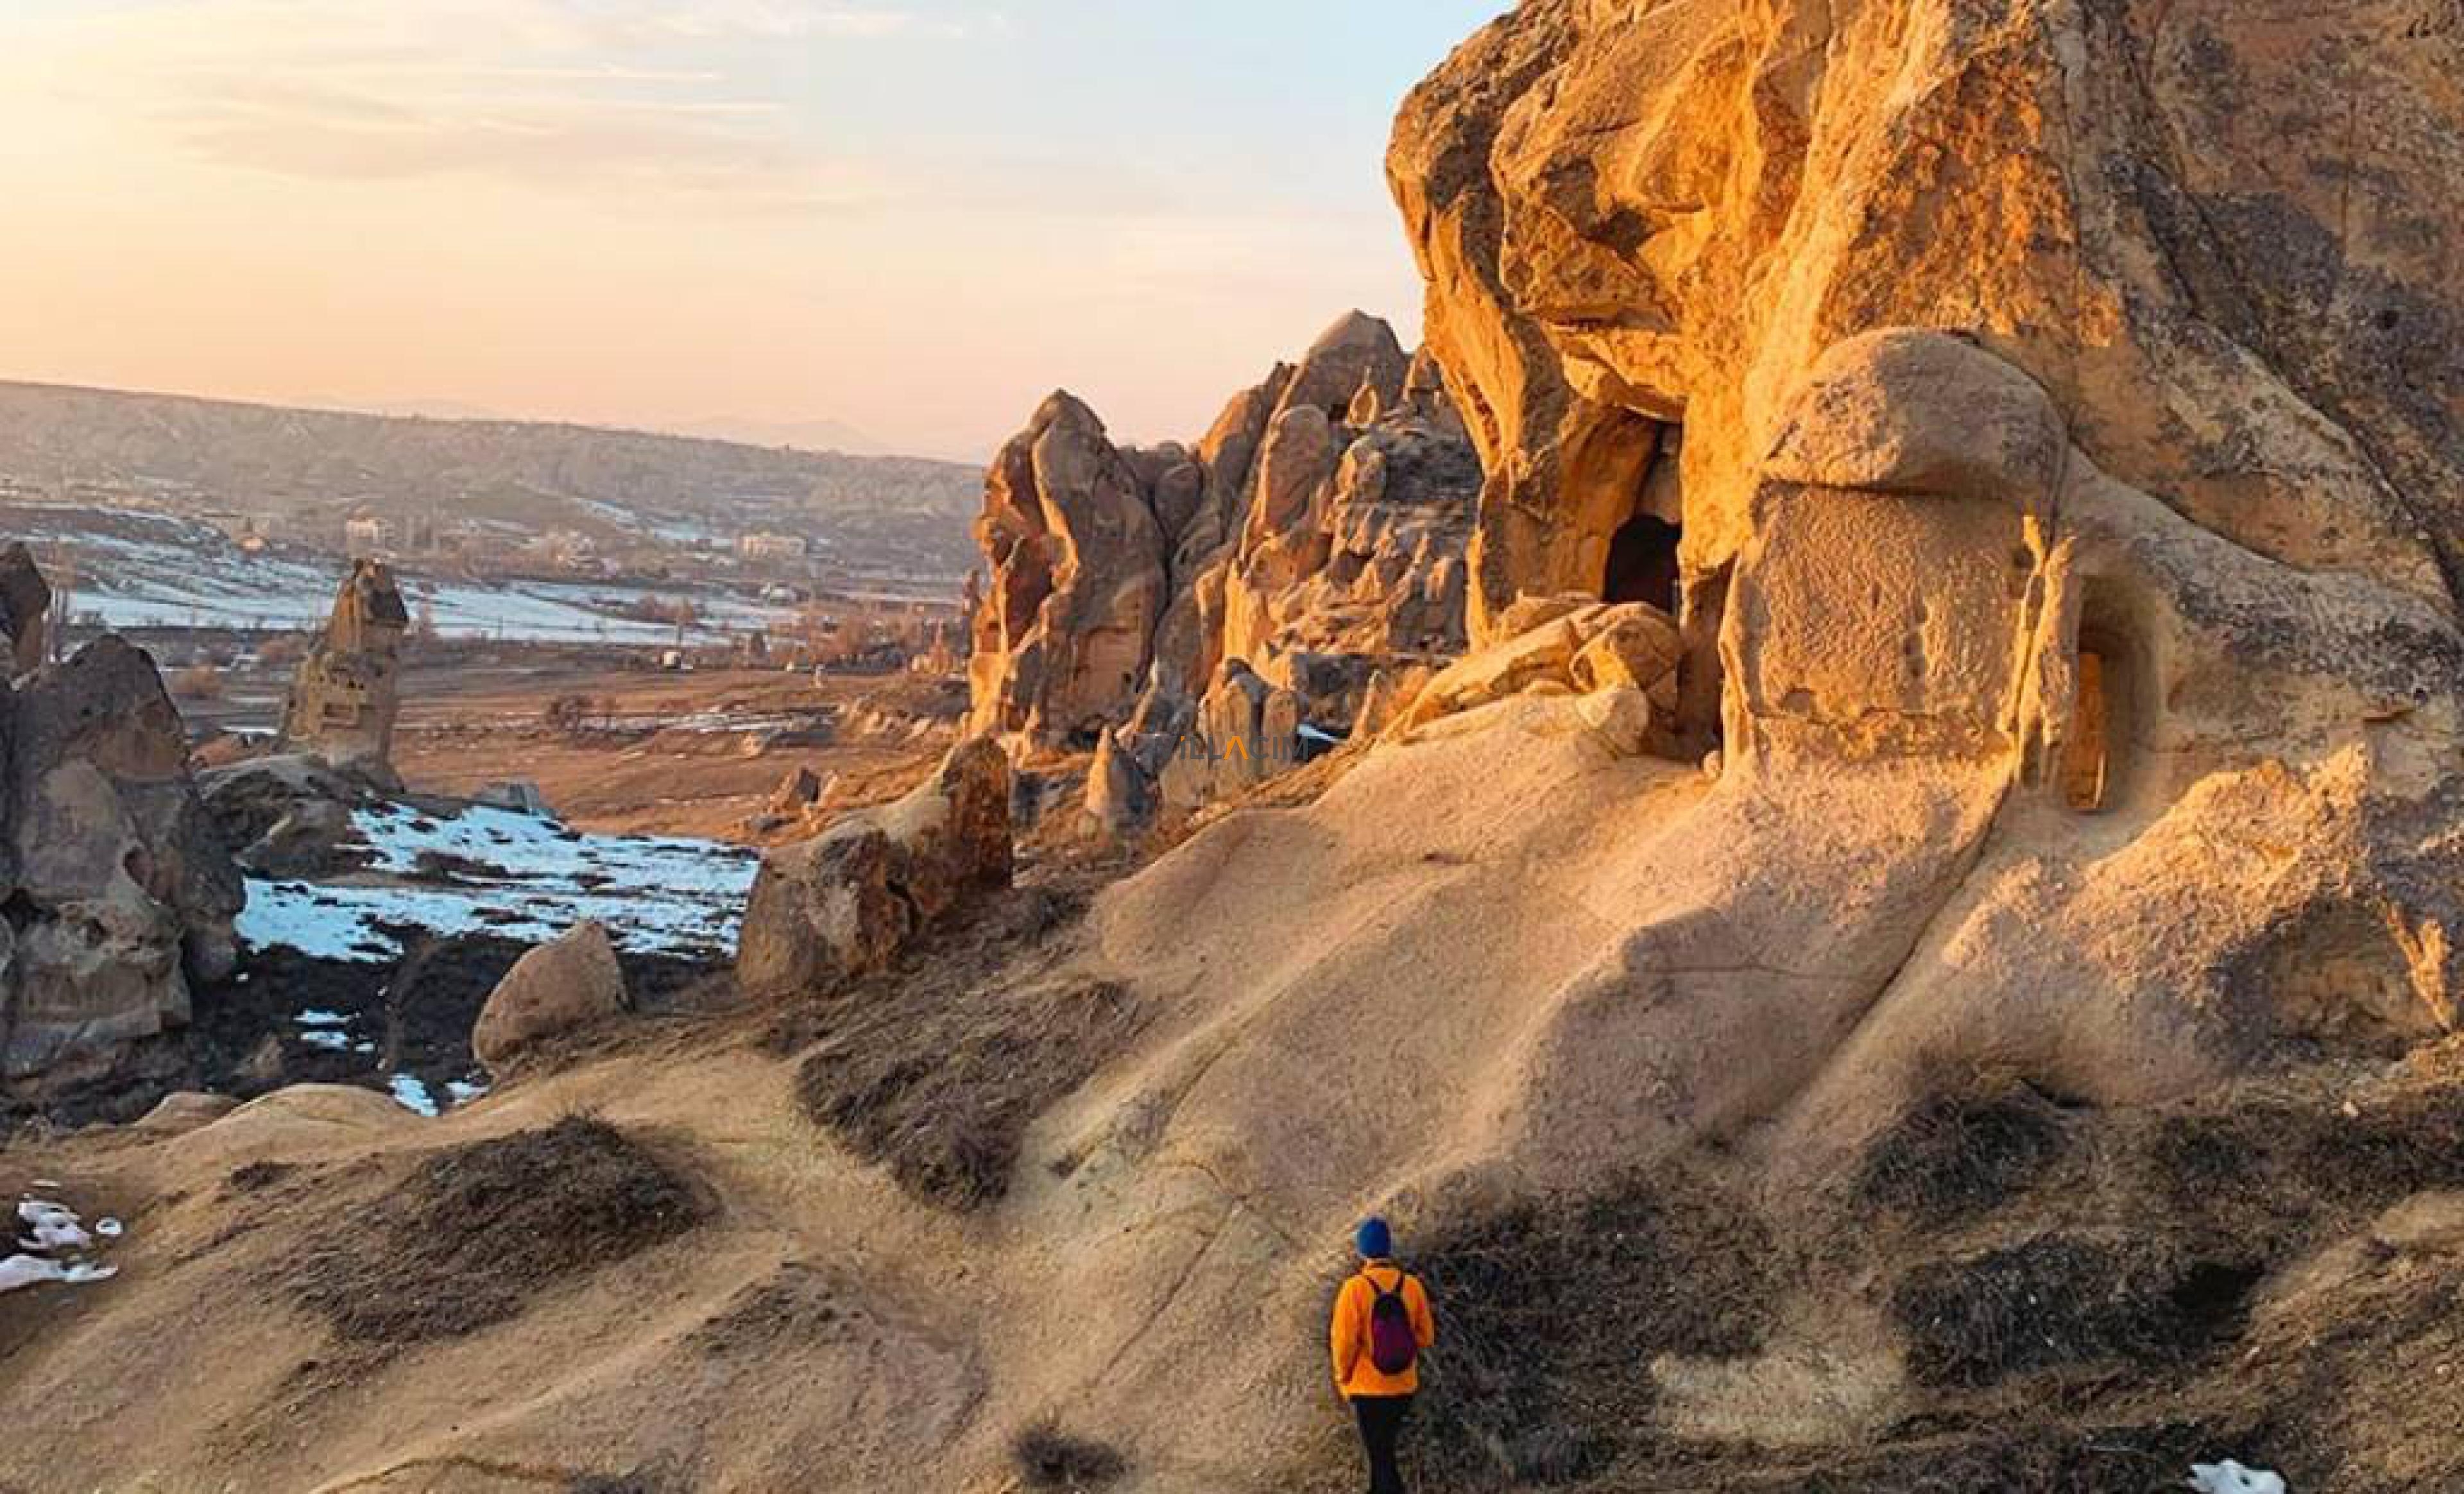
(1376, 1242)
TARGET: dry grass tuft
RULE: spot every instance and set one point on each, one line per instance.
(1050, 1459)
(1965, 1152)
(1554, 1311)
(2060, 1299)
(939, 1087)
(475, 1232)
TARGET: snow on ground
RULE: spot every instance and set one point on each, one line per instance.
(53, 1245)
(152, 570)
(520, 877)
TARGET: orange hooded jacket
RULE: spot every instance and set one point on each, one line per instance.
(1347, 1335)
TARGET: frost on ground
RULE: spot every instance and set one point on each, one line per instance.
(53, 1245)
(500, 871)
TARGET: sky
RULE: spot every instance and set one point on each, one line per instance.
(910, 217)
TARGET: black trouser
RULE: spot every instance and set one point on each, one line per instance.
(1382, 1427)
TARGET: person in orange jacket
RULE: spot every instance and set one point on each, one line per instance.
(1381, 1327)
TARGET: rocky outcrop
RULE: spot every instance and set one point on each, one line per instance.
(564, 984)
(2057, 486)
(25, 606)
(119, 889)
(346, 696)
(1078, 581)
(1314, 537)
(826, 911)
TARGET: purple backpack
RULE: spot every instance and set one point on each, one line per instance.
(1393, 1346)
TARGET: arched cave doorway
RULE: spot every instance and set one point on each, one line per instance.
(1642, 563)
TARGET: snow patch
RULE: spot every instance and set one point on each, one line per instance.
(410, 1092)
(54, 1246)
(517, 875)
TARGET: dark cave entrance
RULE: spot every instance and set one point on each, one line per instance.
(1642, 563)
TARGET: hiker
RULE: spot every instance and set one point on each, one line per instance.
(1381, 1327)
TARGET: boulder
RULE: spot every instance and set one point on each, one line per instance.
(518, 795)
(311, 840)
(247, 799)
(567, 983)
(844, 904)
(1621, 716)
(120, 889)
(1637, 646)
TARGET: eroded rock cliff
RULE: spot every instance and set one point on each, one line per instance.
(2016, 428)
(1312, 539)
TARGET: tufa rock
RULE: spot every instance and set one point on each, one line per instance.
(1078, 582)
(1316, 534)
(346, 696)
(2057, 486)
(567, 983)
(119, 888)
(25, 603)
(840, 906)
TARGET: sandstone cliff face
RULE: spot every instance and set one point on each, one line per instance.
(1311, 538)
(119, 886)
(2059, 482)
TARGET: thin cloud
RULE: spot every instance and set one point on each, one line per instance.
(552, 95)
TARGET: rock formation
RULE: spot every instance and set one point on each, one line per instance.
(2028, 449)
(1314, 537)
(826, 911)
(118, 887)
(25, 604)
(566, 983)
(1077, 558)
(345, 698)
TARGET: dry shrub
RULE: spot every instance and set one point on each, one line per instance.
(940, 1087)
(1553, 1311)
(936, 1068)
(2297, 1163)
(1048, 1457)
(2027, 1459)
(1964, 1152)
(475, 1232)
(2060, 1299)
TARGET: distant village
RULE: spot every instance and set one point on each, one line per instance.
(757, 598)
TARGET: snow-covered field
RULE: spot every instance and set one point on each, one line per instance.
(150, 570)
(520, 877)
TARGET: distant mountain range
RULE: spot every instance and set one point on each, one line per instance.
(196, 456)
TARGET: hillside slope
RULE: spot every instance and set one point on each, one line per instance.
(195, 455)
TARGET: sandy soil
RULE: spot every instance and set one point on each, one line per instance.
(698, 754)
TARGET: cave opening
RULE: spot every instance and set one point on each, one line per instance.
(2096, 748)
(1642, 563)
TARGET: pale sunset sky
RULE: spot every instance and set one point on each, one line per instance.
(914, 218)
